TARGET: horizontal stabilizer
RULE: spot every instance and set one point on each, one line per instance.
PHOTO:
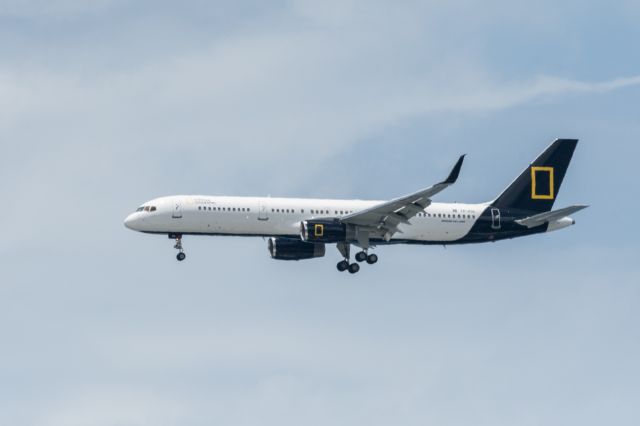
(551, 216)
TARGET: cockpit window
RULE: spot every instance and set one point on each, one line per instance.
(139, 209)
(146, 209)
(152, 209)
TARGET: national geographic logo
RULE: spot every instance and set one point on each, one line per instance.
(542, 187)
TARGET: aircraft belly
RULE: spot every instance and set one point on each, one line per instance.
(434, 230)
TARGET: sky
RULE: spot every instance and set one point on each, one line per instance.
(106, 104)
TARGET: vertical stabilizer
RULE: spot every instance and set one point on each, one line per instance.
(537, 187)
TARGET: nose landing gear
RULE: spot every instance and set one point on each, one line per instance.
(178, 246)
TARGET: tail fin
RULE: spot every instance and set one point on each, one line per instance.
(537, 187)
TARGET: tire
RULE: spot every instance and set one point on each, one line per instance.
(181, 257)
(361, 256)
(342, 266)
(353, 268)
(372, 258)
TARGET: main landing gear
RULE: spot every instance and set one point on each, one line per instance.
(178, 246)
(361, 256)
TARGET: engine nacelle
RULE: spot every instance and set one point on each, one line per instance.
(294, 249)
(325, 231)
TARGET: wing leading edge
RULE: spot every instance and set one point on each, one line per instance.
(385, 218)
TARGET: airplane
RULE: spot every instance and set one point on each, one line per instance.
(299, 228)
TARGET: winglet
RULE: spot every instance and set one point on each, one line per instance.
(453, 176)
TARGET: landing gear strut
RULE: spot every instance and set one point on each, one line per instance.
(178, 246)
(344, 265)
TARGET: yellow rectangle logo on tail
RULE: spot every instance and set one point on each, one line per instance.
(542, 187)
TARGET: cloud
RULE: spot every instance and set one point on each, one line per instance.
(111, 405)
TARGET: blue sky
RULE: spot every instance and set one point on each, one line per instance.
(109, 103)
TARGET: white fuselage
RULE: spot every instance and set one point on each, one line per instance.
(256, 216)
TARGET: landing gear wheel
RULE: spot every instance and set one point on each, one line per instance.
(372, 258)
(342, 266)
(353, 268)
(178, 246)
(361, 256)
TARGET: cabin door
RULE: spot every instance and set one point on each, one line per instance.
(495, 219)
(177, 211)
(262, 214)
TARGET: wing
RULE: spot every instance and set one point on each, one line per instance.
(545, 217)
(385, 218)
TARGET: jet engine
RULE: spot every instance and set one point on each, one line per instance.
(294, 249)
(326, 231)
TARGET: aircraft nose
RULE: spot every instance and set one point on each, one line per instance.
(130, 221)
